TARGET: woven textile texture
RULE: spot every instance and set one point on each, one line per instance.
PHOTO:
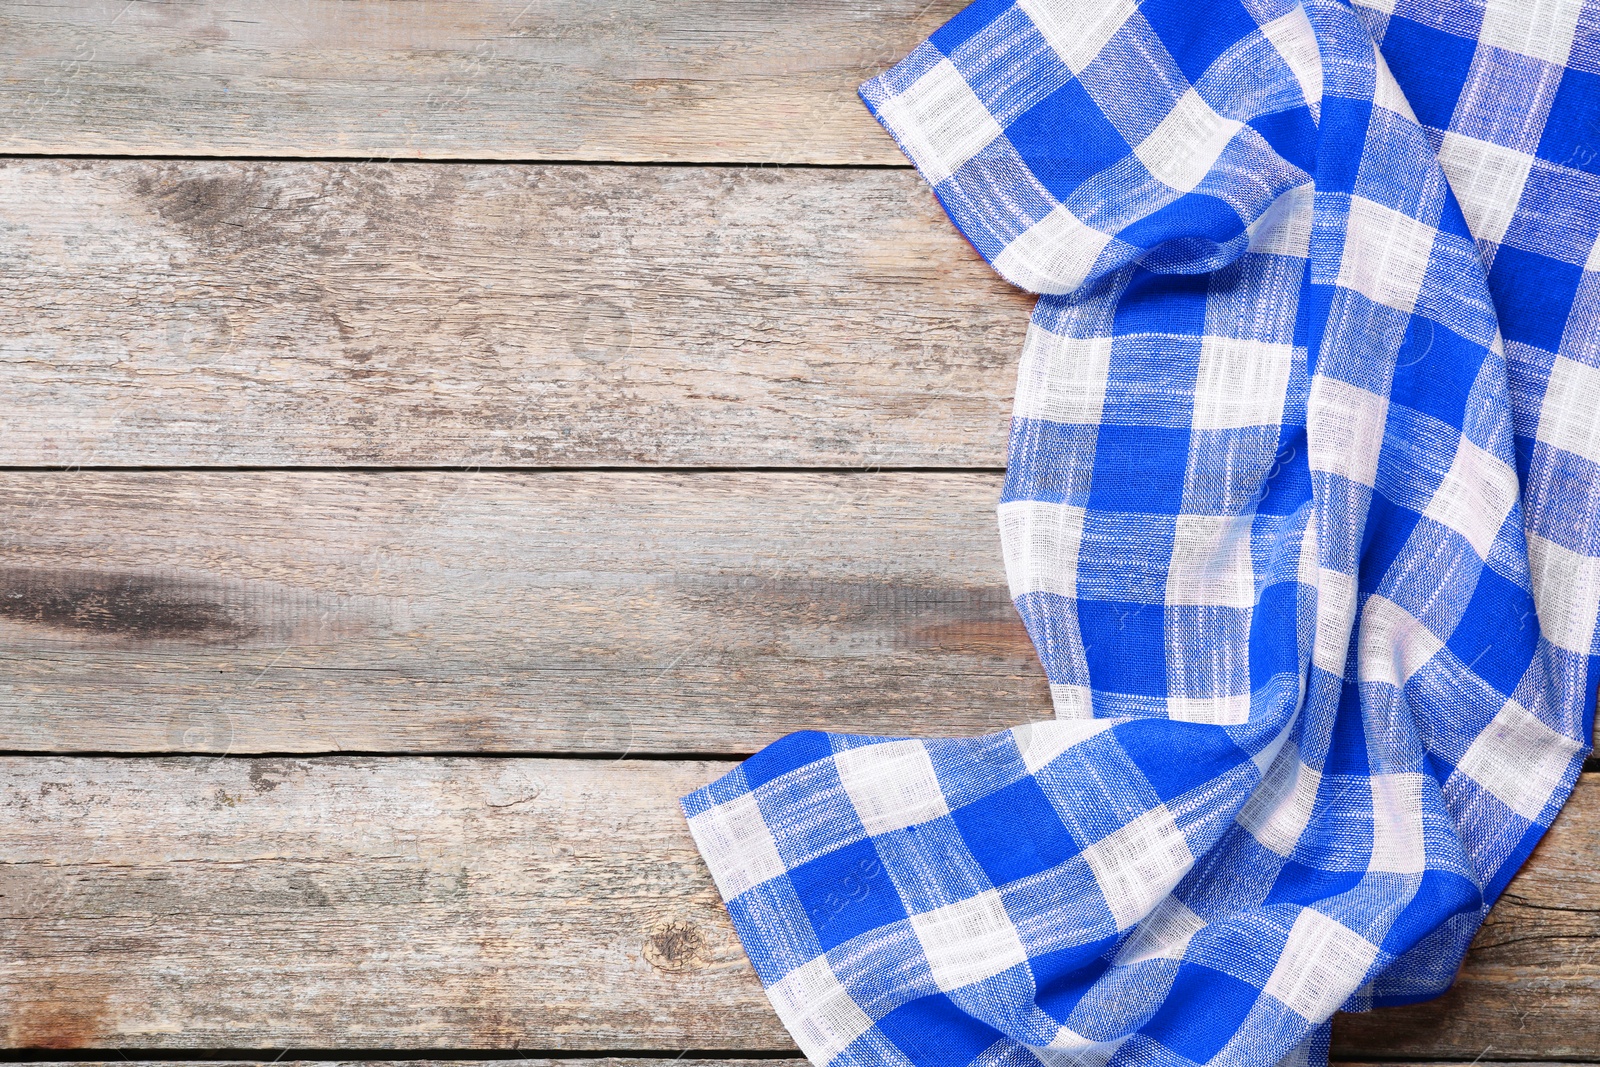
(1302, 512)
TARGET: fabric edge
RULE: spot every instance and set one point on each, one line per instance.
(756, 942)
(876, 91)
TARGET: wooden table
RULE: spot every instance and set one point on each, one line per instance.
(440, 433)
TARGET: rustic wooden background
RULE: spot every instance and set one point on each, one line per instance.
(440, 433)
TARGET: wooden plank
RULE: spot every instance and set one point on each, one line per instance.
(366, 903)
(708, 613)
(712, 80)
(501, 903)
(286, 314)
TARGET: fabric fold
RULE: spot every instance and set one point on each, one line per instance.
(1304, 555)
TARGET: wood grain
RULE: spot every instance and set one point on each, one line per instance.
(499, 903)
(710, 80)
(227, 611)
(364, 903)
(289, 314)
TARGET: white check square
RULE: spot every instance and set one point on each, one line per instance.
(817, 1010)
(1054, 255)
(940, 121)
(1487, 180)
(1344, 428)
(737, 846)
(1041, 742)
(1278, 812)
(1296, 41)
(1566, 589)
(1386, 254)
(1139, 864)
(1392, 644)
(1475, 497)
(1063, 379)
(1321, 963)
(892, 785)
(1077, 31)
(1397, 839)
(1211, 562)
(1570, 418)
(1218, 711)
(1542, 29)
(1241, 382)
(1519, 759)
(1387, 93)
(1164, 934)
(1041, 541)
(1183, 147)
(1284, 228)
(1336, 612)
(969, 940)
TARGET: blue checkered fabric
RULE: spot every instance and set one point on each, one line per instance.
(1302, 512)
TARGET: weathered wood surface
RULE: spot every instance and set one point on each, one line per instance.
(282, 314)
(364, 903)
(708, 80)
(707, 613)
(497, 903)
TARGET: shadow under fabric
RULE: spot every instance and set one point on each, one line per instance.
(1307, 539)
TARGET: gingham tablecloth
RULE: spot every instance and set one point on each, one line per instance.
(1302, 512)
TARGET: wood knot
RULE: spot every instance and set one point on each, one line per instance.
(675, 946)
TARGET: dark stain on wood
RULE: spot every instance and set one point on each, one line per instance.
(264, 775)
(973, 619)
(312, 894)
(109, 604)
(209, 202)
(65, 1019)
(1002, 637)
